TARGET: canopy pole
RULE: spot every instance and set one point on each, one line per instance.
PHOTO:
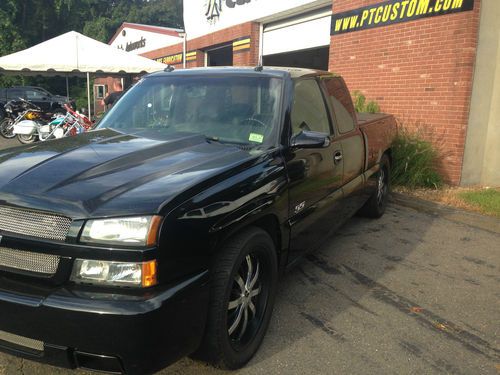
(88, 93)
(67, 88)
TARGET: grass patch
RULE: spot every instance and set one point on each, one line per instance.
(481, 200)
(414, 160)
(487, 200)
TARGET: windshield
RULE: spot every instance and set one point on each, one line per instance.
(229, 109)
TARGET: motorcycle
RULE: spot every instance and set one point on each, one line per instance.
(72, 123)
(17, 111)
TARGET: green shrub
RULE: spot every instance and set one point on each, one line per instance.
(372, 107)
(360, 104)
(413, 162)
(359, 101)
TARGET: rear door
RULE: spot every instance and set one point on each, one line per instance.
(315, 175)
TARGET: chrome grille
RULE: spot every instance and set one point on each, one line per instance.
(21, 341)
(45, 264)
(34, 223)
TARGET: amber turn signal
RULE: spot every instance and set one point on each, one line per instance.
(149, 274)
(154, 230)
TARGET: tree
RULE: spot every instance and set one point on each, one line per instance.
(24, 23)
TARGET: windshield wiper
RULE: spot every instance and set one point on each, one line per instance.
(213, 139)
(241, 145)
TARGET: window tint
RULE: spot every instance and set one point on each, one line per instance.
(309, 111)
(232, 109)
(341, 104)
(15, 94)
(34, 94)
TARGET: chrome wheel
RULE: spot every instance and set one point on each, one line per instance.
(7, 127)
(381, 187)
(245, 305)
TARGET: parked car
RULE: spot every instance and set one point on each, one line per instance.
(36, 95)
(164, 232)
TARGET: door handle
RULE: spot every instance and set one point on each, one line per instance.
(337, 157)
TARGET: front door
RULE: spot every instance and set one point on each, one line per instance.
(315, 174)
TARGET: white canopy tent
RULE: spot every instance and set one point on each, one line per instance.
(74, 54)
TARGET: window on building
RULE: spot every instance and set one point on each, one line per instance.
(100, 91)
(309, 111)
(341, 104)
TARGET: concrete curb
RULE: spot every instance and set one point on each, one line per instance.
(472, 219)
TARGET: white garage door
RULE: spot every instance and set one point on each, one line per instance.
(303, 32)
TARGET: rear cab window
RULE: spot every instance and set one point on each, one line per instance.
(344, 114)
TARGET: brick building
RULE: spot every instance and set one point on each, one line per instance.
(432, 63)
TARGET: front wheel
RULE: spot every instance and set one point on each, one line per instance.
(243, 288)
(26, 138)
(376, 205)
(7, 127)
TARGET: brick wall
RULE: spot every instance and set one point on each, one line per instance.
(421, 71)
(226, 36)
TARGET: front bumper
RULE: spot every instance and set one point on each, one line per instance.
(103, 331)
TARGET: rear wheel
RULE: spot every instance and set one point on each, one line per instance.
(243, 288)
(6, 128)
(26, 139)
(376, 205)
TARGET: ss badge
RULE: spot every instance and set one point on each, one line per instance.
(300, 207)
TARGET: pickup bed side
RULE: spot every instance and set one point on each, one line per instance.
(378, 131)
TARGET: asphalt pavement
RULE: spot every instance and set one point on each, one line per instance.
(411, 293)
(6, 143)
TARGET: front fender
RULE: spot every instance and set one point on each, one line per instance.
(195, 230)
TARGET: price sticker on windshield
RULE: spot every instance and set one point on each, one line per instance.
(254, 137)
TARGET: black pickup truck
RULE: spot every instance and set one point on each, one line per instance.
(163, 233)
(36, 95)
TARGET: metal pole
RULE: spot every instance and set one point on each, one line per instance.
(261, 45)
(67, 88)
(184, 48)
(88, 93)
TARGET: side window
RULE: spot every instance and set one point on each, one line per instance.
(33, 95)
(341, 104)
(309, 111)
(15, 94)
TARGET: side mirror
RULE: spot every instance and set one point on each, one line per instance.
(310, 139)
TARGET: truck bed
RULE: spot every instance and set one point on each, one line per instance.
(379, 130)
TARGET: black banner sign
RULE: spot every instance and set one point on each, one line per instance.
(395, 11)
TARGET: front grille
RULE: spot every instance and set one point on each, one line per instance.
(21, 341)
(34, 223)
(43, 264)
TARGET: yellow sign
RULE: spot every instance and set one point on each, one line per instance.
(171, 60)
(241, 44)
(395, 11)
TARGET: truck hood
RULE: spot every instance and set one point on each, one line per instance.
(107, 173)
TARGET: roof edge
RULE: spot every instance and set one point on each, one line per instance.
(154, 29)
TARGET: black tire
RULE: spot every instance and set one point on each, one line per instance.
(229, 343)
(26, 139)
(376, 205)
(6, 128)
(2, 112)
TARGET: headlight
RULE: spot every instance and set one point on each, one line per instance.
(8, 108)
(131, 231)
(114, 273)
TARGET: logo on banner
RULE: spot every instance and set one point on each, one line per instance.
(214, 8)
